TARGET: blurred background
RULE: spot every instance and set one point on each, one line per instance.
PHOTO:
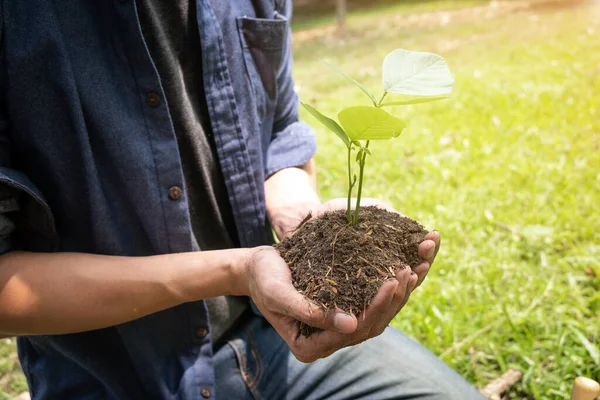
(508, 170)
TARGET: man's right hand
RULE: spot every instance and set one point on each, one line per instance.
(267, 279)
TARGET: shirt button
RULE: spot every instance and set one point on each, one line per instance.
(205, 392)
(201, 333)
(175, 193)
(152, 99)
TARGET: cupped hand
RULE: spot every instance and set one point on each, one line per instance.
(339, 329)
(269, 283)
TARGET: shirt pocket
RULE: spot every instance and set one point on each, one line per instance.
(263, 42)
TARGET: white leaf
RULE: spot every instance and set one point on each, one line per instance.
(416, 73)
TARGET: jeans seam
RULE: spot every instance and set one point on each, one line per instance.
(250, 380)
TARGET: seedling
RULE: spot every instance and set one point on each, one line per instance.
(336, 260)
(417, 76)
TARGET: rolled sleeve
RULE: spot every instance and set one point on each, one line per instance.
(9, 205)
(25, 218)
(293, 146)
(26, 222)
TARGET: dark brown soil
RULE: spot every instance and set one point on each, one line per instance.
(339, 265)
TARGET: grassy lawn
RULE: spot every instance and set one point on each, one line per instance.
(508, 170)
(12, 381)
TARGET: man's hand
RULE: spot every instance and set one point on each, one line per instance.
(267, 280)
(290, 198)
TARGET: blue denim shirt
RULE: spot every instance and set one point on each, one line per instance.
(88, 155)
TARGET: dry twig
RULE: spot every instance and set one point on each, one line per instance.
(496, 388)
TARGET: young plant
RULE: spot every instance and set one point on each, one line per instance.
(419, 77)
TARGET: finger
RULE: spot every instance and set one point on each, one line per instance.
(378, 307)
(412, 284)
(295, 305)
(421, 270)
(318, 345)
(404, 277)
(427, 250)
(279, 296)
(437, 239)
(328, 342)
(404, 282)
(379, 313)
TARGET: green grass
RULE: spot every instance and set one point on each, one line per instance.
(12, 380)
(508, 170)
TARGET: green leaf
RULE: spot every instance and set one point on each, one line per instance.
(370, 123)
(361, 87)
(359, 154)
(329, 123)
(589, 346)
(367, 150)
(417, 100)
(416, 73)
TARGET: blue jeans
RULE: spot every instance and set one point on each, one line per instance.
(255, 363)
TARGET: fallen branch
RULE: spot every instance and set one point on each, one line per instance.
(495, 389)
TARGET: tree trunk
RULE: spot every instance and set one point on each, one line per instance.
(341, 14)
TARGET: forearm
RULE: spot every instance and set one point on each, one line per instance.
(72, 292)
(292, 185)
(311, 170)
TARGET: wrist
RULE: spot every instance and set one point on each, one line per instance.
(290, 187)
(201, 275)
(238, 272)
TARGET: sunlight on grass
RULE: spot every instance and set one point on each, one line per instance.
(508, 170)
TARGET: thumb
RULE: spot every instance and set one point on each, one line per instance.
(300, 308)
(282, 297)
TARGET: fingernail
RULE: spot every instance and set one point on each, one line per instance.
(344, 323)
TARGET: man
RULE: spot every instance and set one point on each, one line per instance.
(148, 147)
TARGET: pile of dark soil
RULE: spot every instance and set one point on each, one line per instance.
(338, 265)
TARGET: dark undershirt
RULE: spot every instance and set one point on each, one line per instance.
(170, 29)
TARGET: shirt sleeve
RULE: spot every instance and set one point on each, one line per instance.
(9, 205)
(9, 195)
(293, 142)
(23, 211)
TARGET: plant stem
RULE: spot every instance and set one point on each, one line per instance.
(360, 183)
(381, 100)
(350, 186)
